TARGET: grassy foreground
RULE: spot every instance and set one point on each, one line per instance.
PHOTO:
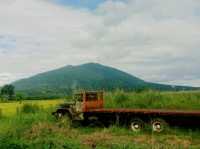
(40, 130)
(29, 125)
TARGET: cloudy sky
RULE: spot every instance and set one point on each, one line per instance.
(155, 40)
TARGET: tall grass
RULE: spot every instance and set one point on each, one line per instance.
(10, 108)
(1, 114)
(41, 130)
(34, 127)
(153, 99)
(30, 108)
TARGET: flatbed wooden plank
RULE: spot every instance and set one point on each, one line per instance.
(195, 113)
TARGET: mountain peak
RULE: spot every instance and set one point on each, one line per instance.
(91, 64)
(93, 76)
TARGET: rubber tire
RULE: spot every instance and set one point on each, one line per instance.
(64, 119)
(136, 125)
(158, 125)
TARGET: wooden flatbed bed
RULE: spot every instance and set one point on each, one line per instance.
(160, 112)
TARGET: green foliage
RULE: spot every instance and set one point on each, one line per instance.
(142, 89)
(119, 98)
(19, 97)
(8, 91)
(35, 130)
(42, 131)
(1, 114)
(33, 127)
(153, 99)
(30, 108)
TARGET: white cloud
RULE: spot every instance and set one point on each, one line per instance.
(8, 77)
(156, 40)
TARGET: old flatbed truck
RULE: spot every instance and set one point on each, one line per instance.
(88, 108)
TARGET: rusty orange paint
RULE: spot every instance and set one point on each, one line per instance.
(96, 103)
(148, 111)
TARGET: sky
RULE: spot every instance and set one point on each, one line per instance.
(158, 41)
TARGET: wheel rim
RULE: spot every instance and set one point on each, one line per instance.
(59, 115)
(66, 121)
(157, 126)
(136, 126)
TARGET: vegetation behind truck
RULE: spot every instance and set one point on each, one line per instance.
(88, 107)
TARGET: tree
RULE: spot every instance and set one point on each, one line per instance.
(8, 91)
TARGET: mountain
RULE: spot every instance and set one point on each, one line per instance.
(91, 76)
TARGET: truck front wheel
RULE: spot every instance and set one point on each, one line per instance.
(64, 118)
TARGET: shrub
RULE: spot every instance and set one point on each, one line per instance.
(30, 108)
(1, 114)
(19, 97)
(8, 142)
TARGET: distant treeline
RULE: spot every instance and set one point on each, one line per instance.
(68, 92)
(8, 92)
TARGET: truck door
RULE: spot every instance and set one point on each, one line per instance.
(79, 103)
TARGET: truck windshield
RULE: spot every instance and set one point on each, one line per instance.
(91, 96)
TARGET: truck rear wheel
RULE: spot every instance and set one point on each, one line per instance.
(136, 125)
(158, 125)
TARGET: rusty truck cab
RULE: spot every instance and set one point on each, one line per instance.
(87, 100)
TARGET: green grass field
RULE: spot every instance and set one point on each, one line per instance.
(40, 130)
(10, 108)
(24, 130)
